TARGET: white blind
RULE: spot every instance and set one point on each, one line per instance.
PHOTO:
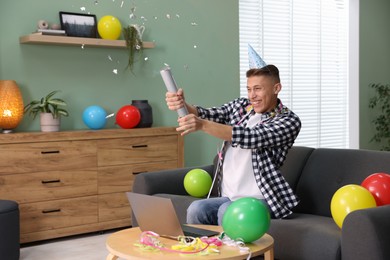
(308, 41)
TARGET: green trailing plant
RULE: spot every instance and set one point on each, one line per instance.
(133, 43)
(381, 101)
(47, 104)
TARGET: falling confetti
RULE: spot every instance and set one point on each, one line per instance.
(178, 15)
(115, 71)
(194, 24)
(155, 17)
(168, 16)
(82, 46)
(146, 58)
(195, 46)
(144, 19)
(132, 13)
(82, 8)
(109, 57)
(121, 3)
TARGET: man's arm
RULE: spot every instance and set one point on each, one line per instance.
(192, 123)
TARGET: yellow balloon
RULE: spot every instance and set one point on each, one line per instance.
(350, 198)
(109, 27)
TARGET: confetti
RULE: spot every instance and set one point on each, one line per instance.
(96, 2)
(194, 24)
(109, 57)
(168, 16)
(82, 8)
(195, 46)
(82, 46)
(155, 17)
(178, 15)
(121, 3)
(115, 71)
(132, 13)
(146, 58)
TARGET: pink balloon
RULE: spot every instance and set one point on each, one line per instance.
(379, 186)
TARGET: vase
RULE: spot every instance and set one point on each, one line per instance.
(146, 113)
(48, 123)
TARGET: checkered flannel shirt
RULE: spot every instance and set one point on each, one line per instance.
(269, 140)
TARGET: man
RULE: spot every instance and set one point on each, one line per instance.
(257, 133)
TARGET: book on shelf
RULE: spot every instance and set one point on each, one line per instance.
(50, 32)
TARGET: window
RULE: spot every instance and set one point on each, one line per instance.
(308, 41)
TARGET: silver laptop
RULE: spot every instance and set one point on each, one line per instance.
(157, 214)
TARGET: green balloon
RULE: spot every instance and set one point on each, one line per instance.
(247, 219)
(197, 183)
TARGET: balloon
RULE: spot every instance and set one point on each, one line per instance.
(197, 183)
(379, 186)
(247, 219)
(94, 117)
(128, 117)
(109, 27)
(350, 198)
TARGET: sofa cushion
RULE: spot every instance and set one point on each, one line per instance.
(294, 163)
(304, 236)
(327, 170)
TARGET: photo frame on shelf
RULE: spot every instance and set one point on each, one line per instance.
(78, 25)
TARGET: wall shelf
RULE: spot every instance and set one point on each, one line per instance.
(76, 41)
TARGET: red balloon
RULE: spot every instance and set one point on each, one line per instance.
(379, 186)
(128, 117)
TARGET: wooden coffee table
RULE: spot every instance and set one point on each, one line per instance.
(121, 245)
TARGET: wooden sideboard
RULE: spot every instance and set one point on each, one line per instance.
(74, 182)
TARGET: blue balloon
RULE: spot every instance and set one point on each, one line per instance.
(94, 117)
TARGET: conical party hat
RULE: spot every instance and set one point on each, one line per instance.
(255, 61)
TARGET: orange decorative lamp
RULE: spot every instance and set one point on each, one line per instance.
(11, 105)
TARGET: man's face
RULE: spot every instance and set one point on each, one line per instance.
(263, 93)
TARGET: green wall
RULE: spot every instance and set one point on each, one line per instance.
(204, 59)
(374, 61)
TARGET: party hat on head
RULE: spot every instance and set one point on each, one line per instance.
(255, 61)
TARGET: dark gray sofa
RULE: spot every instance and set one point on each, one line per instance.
(310, 232)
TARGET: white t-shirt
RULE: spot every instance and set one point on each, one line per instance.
(238, 178)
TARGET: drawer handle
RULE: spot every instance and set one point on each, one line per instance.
(46, 211)
(50, 181)
(135, 173)
(140, 146)
(50, 152)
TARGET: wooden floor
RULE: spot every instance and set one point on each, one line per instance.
(84, 247)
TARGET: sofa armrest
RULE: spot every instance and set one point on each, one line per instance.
(166, 181)
(365, 234)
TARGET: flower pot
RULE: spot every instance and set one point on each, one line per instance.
(48, 123)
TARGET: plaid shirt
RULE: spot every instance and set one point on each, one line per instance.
(269, 141)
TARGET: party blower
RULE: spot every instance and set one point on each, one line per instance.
(171, 86)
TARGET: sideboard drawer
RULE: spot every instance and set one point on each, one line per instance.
(113, 206)
(43, 186)
(47, 156)
(137, 150)
(55, 214)
(120, 178)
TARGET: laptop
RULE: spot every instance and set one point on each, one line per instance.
(158, 214)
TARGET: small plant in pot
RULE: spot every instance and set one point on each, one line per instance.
(50, 110)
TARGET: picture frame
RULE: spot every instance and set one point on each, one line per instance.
(78, 24)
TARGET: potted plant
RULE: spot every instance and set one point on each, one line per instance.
(382, 122)
(50, 111)
(133, 37)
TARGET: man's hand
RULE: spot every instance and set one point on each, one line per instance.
(189, 123)
(175, 101)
